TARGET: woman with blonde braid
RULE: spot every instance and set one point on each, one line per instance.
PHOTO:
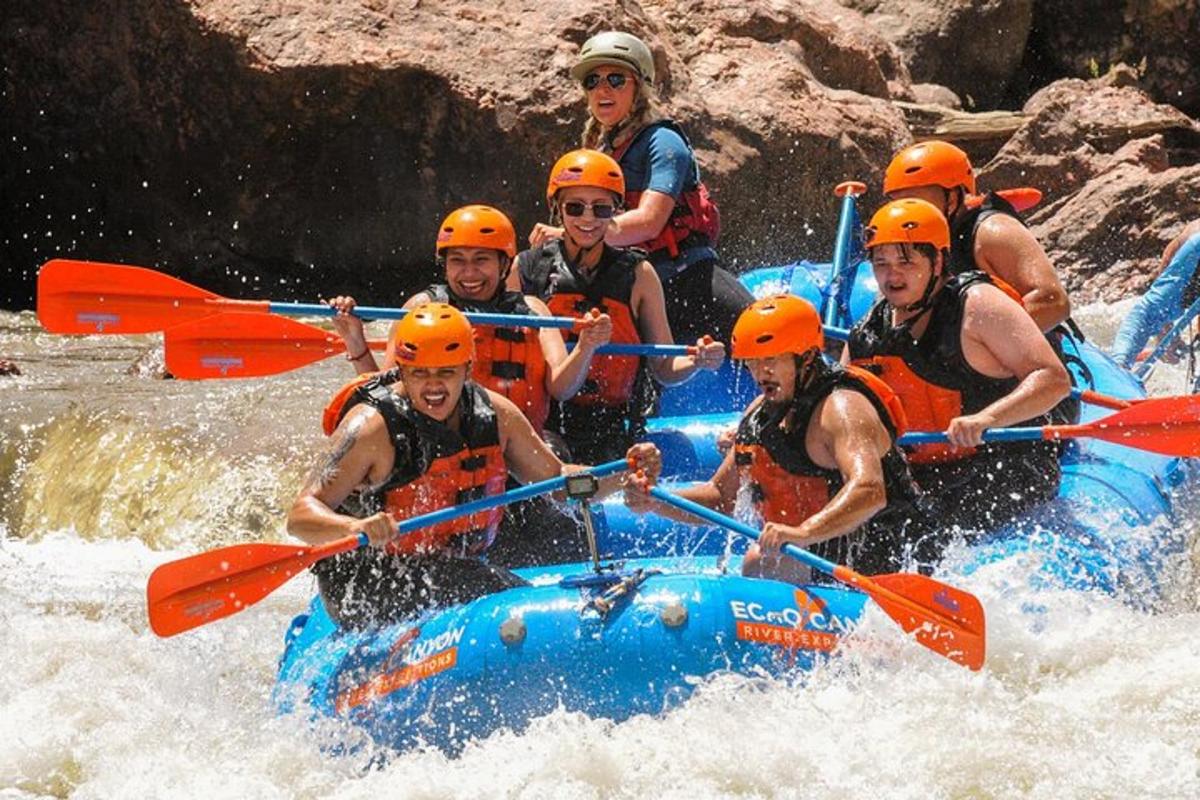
(668, 211)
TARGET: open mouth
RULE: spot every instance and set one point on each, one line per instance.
(436, 399)
(770, 389)
(471, 288)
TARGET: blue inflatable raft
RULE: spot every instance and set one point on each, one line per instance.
(638, 637)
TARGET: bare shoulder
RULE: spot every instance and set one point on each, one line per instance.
(988, 298)
(1000, 229)
(506, 410)
(644, 271)
(847, 409)
(362, 423)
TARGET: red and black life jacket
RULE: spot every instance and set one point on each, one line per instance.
(931, 374)
(509, 361)
(694, 222)
(788, 486)
(435, 467)
(548, 275)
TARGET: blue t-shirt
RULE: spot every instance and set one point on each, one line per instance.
(660, 160)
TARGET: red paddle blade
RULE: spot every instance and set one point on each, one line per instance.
(1022, 198)
(192, 591)
(90, 297)
(944, 619)
(1167, 425)
(245, 346)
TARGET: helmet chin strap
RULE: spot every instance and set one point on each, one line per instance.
(924, 304)
(583, 253)
(809, 367)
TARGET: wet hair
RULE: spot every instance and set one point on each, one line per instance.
(929, 251)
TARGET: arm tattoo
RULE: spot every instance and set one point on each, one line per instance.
(330, 461)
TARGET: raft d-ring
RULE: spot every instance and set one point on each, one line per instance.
(512, 631)
(674, 615)
(852, 188)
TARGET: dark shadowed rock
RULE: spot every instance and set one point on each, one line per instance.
(280, 150)
(972, 46)
(1082, 38)
(9, 367)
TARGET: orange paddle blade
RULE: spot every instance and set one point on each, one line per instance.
(944, 619)
(90, 297)
(193, 591)
(1167, 425)
(1022, 198)
(245, 346)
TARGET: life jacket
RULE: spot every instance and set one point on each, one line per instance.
(436, 467)
(788, 486)
(509, 361)
(546, 274)
(694, 222)
(931, 375)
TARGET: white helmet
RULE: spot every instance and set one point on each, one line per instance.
(616, 49)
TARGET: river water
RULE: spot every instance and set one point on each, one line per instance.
(104, 475)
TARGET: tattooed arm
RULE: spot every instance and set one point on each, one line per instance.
(359, 453)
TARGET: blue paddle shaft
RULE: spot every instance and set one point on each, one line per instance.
(485, 503)
(990, 435)
(837, 334)
(717, 518)
(841, 256)
(375, 312)
(630, 349)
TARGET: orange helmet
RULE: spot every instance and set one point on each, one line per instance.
(478, 226)
(586, 168)
(929, 164)
(908, 221)
(433, 335)
(776, 325)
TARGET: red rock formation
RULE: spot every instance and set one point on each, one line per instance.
(304, 146)
(1121, 176)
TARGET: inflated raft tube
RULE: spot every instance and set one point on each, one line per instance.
(609, 645)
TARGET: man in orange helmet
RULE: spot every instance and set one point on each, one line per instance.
(475, 248)
(431, 440)
(963, 357)
(580, 272)
(818, 448)
(989, 237)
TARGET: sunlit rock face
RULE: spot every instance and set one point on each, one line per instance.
(1121, 175)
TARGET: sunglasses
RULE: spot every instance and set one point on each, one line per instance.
(615, 79)
(574, 208)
